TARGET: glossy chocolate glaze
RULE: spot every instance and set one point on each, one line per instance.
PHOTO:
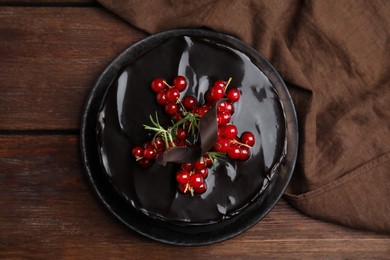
(129, 101)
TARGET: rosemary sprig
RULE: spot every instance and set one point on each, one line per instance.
(169, 134)
(166, 134)
(188, 117)
(215, 156)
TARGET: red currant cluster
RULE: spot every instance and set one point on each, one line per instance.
(191, 176)
(168, 95)
(186, 113)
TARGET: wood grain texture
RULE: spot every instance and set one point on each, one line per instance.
(50, 59)
(47, 210)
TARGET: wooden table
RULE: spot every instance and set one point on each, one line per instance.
(51, 53)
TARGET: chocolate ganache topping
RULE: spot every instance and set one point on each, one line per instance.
(232, 185)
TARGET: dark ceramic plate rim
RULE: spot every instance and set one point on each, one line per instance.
(158, 230)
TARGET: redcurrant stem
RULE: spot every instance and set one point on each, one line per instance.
(181, 104)
(187, 187)
(228, 82)
(239, 143)
(166, 84)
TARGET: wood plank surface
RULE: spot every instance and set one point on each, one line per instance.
(47, 210)
(50, 59)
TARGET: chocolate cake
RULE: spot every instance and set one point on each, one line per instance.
(232, 185)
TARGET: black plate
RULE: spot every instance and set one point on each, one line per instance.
(156, 229)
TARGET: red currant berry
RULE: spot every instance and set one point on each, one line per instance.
(203, 110)
(222, 107)
(245, 153)
(177, 117)
(158, 143)
(148, 144)
(181, 134)
(195, 180)
(182, 176)
(195, 110)
(204, 172)
(189, 102)
(220, 83)
(173, 94)
(230, 108)
(171, 109)
(233, 95)
(207, 160)
(199, 164)
(201, 188)
(248, 138)
(162, 98)
(217, 92)
(222, 145)
(221, 129)
(183, 188)
(187, 166)
(234, 151)
(138, 151)
(230, 132)
(180, 83)
(145, 163)
(223, 118)
(208, 97)
(226, 106)
(150, 153)
(157, 85)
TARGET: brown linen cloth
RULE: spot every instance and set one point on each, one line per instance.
(335, 57)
